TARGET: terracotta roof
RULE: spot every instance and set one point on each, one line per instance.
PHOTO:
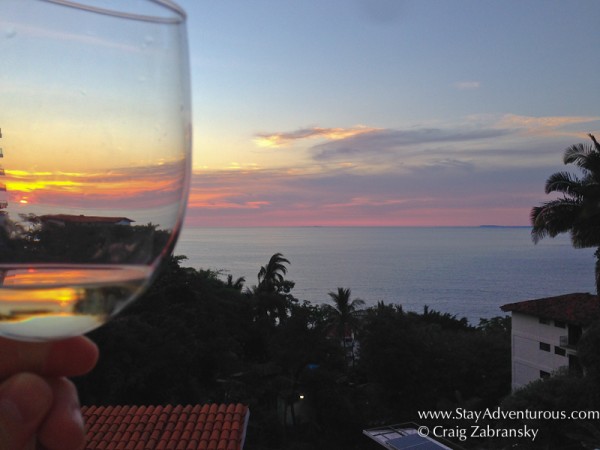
(192, 427)
(577, 308)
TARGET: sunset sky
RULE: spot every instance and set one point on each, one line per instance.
(312, 112)
(386, 112)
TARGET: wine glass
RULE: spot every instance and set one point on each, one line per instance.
(95, 145)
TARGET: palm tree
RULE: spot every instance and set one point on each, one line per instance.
(237, 284)
(272, 296)
(271, 276)
(578, 211)
(344, 315)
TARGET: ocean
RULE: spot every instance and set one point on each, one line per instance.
(465, 271)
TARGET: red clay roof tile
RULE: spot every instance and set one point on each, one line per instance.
(205, 435)
(171, 427)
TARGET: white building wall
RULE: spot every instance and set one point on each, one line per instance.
(529, 361)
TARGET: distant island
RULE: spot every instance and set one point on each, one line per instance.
(504, 226)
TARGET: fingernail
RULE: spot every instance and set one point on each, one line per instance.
(77, 417)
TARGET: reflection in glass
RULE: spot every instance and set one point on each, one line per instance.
(94, 158)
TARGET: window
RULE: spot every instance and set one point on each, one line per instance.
(545, 347)
(560, 351)
(544, 374)
(544, 321)
(560, 324)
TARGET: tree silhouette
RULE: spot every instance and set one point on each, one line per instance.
(578, 211)
(272, 297)
(194, 339)
(271, 276)
(344, 315)
(238, 284)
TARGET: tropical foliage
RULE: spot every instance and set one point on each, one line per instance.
(195, 338)
(271, 297)
(344, 317)
(578, 210)
(344, 313)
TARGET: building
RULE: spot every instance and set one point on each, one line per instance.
(65, 219)
(408, 436)
(190, 427)
(545, 333)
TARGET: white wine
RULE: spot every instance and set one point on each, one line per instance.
(96, 158)
(52, 301)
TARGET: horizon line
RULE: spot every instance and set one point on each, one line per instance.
(356, 226)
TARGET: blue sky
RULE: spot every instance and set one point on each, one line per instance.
(386, 112)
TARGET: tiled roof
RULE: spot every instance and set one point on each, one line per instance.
(575, 308)
(191, 427)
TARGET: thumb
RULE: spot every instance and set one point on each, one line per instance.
(25, 399)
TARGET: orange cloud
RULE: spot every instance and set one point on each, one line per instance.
(543, 125)
(147, 186)
(285, 138)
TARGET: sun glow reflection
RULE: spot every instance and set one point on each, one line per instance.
(31, 187)
(63, 296)
(46, 277)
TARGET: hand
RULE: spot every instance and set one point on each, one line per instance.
(38, 405)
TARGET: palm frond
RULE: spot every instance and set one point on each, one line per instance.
(586, 236)
(577, 154)
(273, 273)
(277, 264)
(565, 183)
(554, 217)
(596, 144)
(261, 273)
(593, 166)
(357, 303)
(342, 296)
(587, 157)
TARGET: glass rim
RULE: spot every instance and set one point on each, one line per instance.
(178, 16)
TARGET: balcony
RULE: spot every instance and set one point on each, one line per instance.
(566, 343)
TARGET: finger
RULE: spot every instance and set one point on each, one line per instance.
(71, 357)
(68, 357)
(63, 427)
(25, 399)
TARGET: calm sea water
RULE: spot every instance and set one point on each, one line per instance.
(469, 272)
